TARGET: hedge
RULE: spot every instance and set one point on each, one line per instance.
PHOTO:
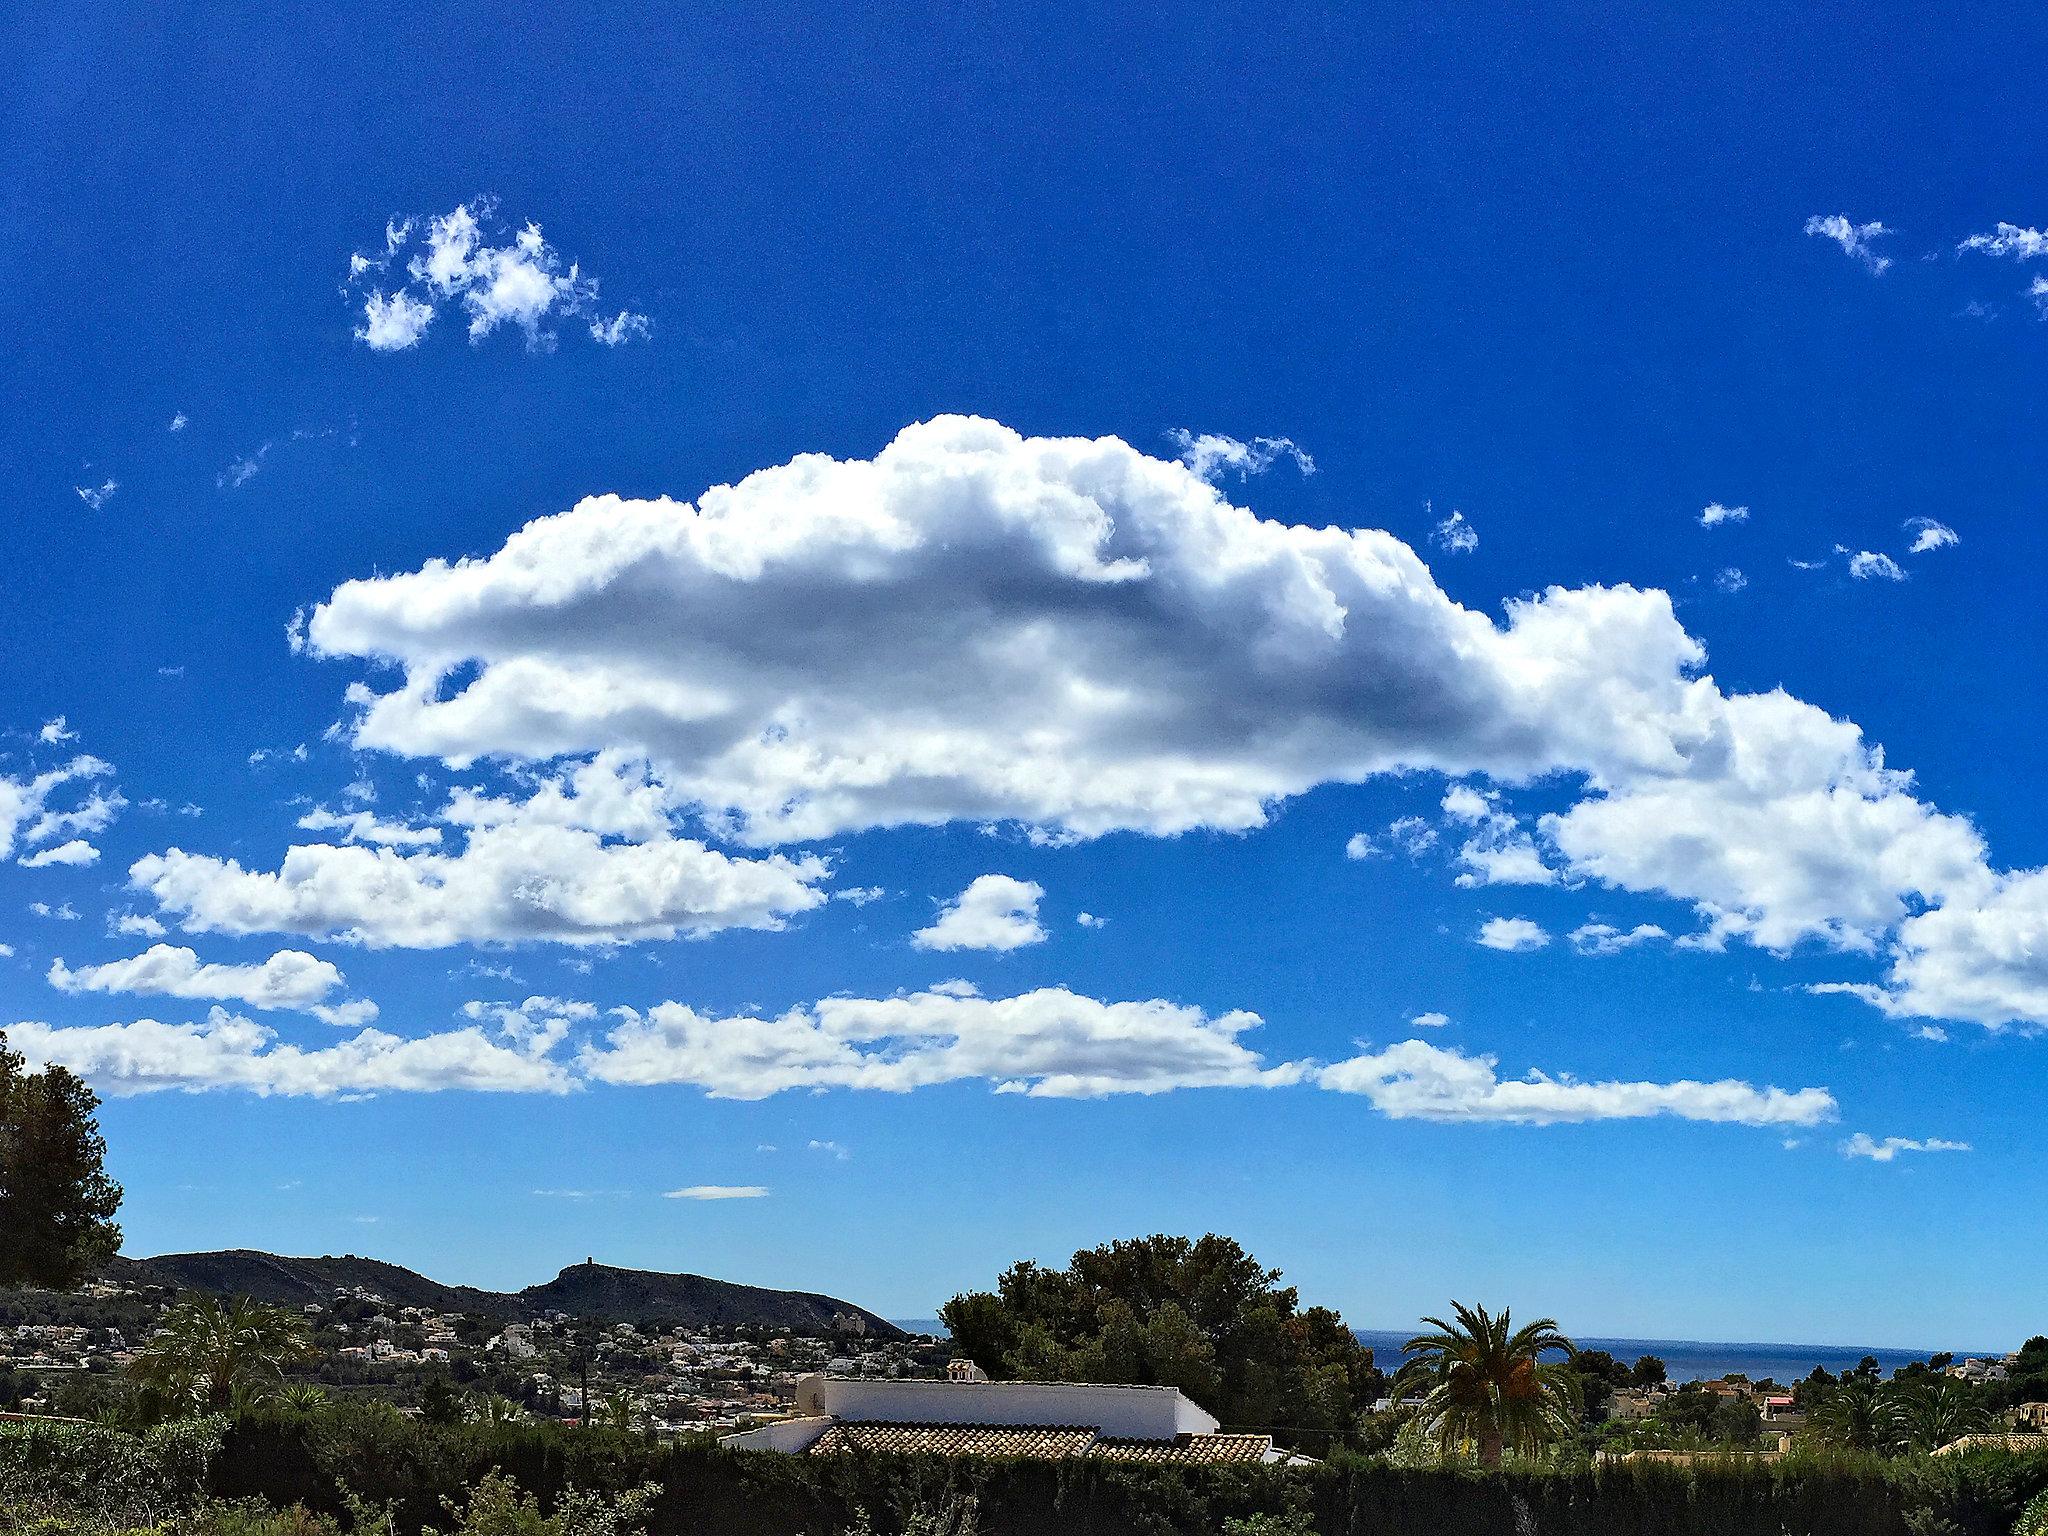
(312, 1459)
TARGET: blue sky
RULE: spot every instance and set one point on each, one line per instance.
(1097, 331)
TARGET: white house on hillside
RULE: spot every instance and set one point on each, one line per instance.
(1037, 1419)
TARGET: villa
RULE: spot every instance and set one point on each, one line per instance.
(969, 1415)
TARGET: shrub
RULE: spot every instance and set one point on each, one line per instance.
(92, 1479)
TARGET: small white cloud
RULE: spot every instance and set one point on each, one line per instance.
(995, 912)
(1730, 580)
(499, 277)
(1430, 1020)
(860, 895)
(1498, 851)
(365, 827)
(76, 854)
(393, 322)
(622, 327)
(1930, 535)
(1412, 835)
(177, 423)
(2014, 240)
(136, 924)
(1359, 846)
(718, 1192)
(97, 496)
(1714, 514)
(1090, 920)
(1865, 566)
(831, 1148)
(289, 979)
(1853, 238)
(1606, 939)
(56, 732)
(1806, 565)
(61, 913)
(1209, 454)
(1514, 935)
(2038, 292)
(1417, 1081)
(1862, 1145)
(243, 470)
(1456, 536)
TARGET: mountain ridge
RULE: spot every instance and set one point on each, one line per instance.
(599, 1292)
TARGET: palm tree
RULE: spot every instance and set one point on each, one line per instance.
(303, 1397)
(1930, 1413)
(1485, 1384)
(616, 1410)
(1854, 1413)
(494, 1411)
(213, 1354)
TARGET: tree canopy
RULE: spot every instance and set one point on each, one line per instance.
(56, 1202)
(1199, 1314)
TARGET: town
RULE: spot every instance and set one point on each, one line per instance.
(66, 1355)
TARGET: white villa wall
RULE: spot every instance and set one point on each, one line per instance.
(1121, 1413)
(791, 1436)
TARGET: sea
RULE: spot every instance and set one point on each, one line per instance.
(1684, 1359)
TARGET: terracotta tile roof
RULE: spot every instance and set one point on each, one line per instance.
(1032, 1441)
(1185, 1449)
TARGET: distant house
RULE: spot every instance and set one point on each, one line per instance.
(2031, 1416)
(1034, 1420)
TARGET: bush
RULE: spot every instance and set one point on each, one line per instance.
(86, 1478)
(319, 1460)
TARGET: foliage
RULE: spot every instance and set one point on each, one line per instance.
(1930, 1412)
(1485, 1383)
(497, 1506)
(2033, 1520)
(216, 1354)
(101, 1479)
(57, 1204)
(1202, 1315)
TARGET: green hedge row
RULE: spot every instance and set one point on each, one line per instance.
(310, 1459)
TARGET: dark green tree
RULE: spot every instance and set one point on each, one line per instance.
(56, 1202)
(1648, 1372)
(1199, 1314)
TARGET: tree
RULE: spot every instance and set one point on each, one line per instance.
(1202, 1315)
(1854, 1412)
(214, 1354)
(1648, 1372)
(56, 1202)
(1932, 1412)
(1486, 1385)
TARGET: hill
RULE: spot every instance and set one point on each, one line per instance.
(589, 1290)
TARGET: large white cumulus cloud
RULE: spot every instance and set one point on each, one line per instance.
(1080, 638)
(1065, 633)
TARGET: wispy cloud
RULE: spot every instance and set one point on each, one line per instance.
(719, 1192)
(1885, 1151)
(97, 496)
(1930, 535)
(498, 276)
(1209, 454)
(1455, 535)
(1853, 238)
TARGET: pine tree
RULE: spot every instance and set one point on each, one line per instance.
(56, 1202)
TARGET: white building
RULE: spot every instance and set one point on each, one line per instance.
(1038, 1419)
